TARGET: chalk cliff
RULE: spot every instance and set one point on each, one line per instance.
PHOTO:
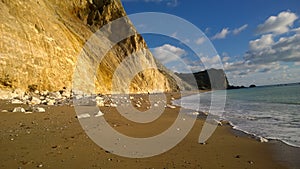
(42, 39)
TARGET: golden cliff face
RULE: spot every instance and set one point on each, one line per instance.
(41, 40)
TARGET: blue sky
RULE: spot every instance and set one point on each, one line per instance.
(257, 41)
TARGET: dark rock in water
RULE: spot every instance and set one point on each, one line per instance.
(251, 86)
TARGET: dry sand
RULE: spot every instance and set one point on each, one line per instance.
(55, 139)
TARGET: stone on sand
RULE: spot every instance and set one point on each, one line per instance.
(170, 106)
(38, 110)
(83, 116)
(19, 110)
(16, 101)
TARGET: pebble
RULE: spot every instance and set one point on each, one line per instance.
(16, 101)
(99, 114)
(195, 113)
(51, 102)
(19, 110)
(113, 105)
(171, 106)
(263, 140)
(39, 110)
(218, 122)
(4, 111)
(83, 116)
(35, 100)
(137, 105)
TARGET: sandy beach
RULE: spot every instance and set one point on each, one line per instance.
(55, 139)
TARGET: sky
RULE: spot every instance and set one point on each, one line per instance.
(257, 42)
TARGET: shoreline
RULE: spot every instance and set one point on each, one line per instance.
(225, 149)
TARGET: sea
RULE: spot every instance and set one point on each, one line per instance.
(271, 112)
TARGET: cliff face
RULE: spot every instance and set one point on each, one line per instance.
(41, 40)
(208, 79)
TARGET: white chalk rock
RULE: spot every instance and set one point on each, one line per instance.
(113, 105)
(218, 122)
(155, 105)
(16, 101)
(66, 94)
(19, 110)
(39, 110)
(83, 116)
(50, 102)
(18, 93)
(171, 106)
(35, 100)
(99, 98)
(195, 113)
(137, 105)
(100, 103)
(44, 93)
(263, 140)
(99, 114)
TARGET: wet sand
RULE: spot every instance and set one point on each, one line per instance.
(55, 139)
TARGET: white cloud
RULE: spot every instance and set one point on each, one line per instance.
(278, 24)
(286, 49)
(168, 53)
(222, 34)
(225, 58)
(272, 58)
(247, 67)
(264, 42)
(297, 30)
(200, 40)
(211, 62)
(240, 29)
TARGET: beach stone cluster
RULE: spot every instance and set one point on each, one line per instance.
(60, 97)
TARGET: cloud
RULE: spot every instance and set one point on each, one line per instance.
(246, 67)
(225, 58)
(240, 29)
(278, 24)
(222, 34)
(168, 53)
(266, 41)
(286, 49)
(211, 62)
(297, 30)
(200, 40)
